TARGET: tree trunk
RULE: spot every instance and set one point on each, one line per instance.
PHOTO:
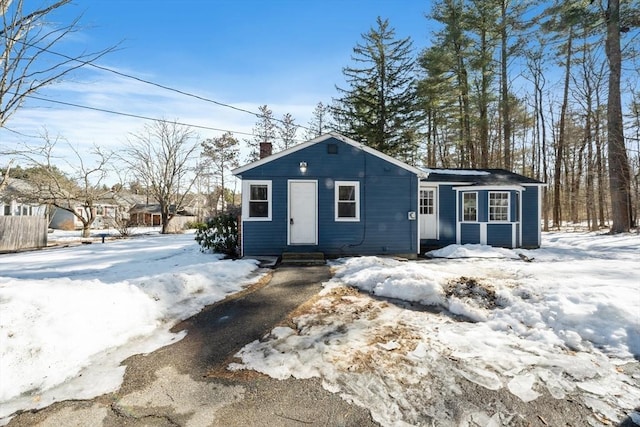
(506, 107)
(484, 106)
(164, 218)
(557, 178)
(222, 185)
(619, 175)
(600, 174)
(590, 199)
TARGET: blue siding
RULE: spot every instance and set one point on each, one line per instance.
(530, 218)
(499, 234)
(447, 215)
(387, 194)
(469, 233)
(483, 206)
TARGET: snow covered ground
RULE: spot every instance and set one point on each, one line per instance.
(70, 315)
(565, 325)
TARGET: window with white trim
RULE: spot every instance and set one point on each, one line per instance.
(470, 206)
(347, 196)
(256, 200)
(426, 202)
(498, 206)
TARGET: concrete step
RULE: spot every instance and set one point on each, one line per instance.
(303, 258)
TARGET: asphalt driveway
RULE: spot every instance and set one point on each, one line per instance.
(186, 384)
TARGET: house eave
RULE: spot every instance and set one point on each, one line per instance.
(239, 171)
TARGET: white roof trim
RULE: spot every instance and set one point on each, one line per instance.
(324, 137)
(496, 187)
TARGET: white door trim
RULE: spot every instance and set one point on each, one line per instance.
(434, 226)
(290, 213)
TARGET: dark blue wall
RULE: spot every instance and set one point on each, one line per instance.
(469, 233)
(530, 217)
(447, 220)
(498, 234)
(387, 194)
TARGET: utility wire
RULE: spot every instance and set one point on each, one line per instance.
(137, 116)
(161, 86)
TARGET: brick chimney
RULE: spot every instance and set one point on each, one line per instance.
(265, 149)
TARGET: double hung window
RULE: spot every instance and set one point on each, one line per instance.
(470, 207)
(498, 206)
(347, 201)
(256, 205)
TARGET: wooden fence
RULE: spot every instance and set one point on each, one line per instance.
(22, 232)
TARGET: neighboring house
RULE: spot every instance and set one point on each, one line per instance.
(23, 224)
(148, 215)
(337, 196)
(113, 206)
(14, 200)
(105, 214)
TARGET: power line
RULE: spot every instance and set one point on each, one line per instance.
(137, 116)
(161, 86)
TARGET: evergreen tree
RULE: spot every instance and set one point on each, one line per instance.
(379, 106)
(264, 131)
(222, 153)
(320, 122)
(452, 51)
(287, 131)
(619, 174)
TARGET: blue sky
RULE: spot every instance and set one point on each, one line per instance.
(284, 53)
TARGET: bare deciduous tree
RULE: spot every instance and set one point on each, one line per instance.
(27, 59)
(76, 192)
(162, 156)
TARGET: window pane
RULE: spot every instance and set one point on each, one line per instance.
(426, 202)
(258, 209)
(499, 206)
(346, 209)
(258, 192)
(347, 192)
(470, 207)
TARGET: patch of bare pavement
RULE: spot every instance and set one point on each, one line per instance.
(187, 383)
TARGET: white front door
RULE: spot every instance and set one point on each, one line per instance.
(428, 216)
(303, 212)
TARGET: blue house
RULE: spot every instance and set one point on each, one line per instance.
(339, 197)
(488, 206)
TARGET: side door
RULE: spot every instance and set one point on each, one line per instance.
(428, 213)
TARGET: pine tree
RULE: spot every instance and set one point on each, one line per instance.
(264, 131)
(452, 51)
(287, 129)
(619, 175)
(320, 122)
(222, 153)
(379, 106)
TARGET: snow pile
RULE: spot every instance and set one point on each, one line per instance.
(394, 279)
(473, 251)
(69, 316)
(566, 326)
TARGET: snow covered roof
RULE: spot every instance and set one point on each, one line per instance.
(479, 177)
(16, 188)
